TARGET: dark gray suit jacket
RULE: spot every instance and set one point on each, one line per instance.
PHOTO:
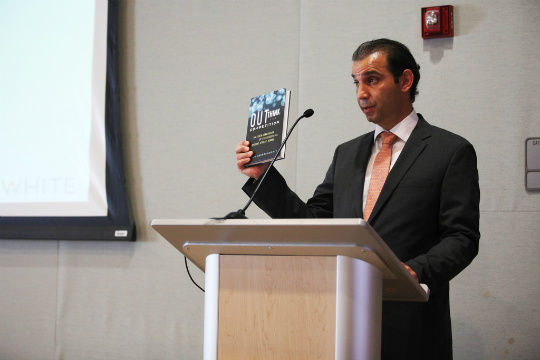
(427, 213)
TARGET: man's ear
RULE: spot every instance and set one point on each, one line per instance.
(406, 80)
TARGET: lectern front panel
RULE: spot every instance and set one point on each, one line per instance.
(276, 307)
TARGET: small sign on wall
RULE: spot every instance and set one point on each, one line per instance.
(532, 164)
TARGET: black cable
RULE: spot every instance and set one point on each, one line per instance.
(193, 281)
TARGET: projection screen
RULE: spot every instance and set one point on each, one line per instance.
(61, 168)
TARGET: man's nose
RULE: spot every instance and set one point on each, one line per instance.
(361, 92)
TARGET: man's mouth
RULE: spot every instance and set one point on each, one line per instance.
(367, 108)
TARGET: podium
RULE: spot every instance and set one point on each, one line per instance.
(292, 288)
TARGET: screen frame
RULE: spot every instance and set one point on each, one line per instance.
(119, 223)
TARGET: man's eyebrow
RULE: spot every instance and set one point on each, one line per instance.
(366, 73)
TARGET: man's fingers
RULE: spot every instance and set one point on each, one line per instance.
(411, 271)
(243, 146)
(242, 162)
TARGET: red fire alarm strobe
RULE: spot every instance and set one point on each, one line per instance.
(437, 21)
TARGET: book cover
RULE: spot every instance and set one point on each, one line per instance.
(267, 125)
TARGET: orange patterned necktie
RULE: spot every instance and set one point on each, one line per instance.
(381, 168)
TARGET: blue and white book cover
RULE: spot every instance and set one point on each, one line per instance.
(267, 125)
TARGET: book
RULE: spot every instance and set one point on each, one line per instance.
(267, 125)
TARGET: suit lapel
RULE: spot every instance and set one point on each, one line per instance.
(360, 164)
(413, 148)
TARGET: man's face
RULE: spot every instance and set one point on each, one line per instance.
(382, 101)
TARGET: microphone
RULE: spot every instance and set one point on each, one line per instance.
(241, 214)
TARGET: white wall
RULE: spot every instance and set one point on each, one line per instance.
(189, 69)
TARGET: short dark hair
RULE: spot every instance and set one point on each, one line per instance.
(398, 56)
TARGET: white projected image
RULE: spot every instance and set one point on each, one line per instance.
(52, 108)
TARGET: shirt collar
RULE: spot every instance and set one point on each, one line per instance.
(403, 129)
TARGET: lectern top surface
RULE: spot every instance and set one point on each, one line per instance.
(198, 238)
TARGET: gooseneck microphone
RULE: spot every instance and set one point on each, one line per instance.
(241, 214)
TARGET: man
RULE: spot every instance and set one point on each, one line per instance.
(427, 210)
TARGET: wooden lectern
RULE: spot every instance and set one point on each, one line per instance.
(294, 288)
